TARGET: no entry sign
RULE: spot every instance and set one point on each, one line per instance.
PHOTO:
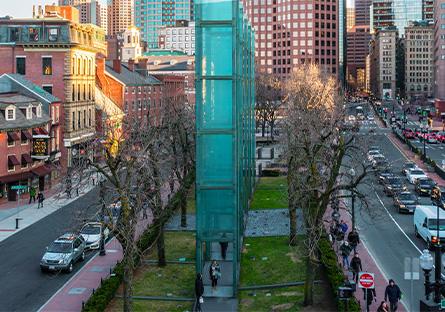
(366, 280)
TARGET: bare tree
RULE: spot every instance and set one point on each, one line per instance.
(319, 157)
(268, 101)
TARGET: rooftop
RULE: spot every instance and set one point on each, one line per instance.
(161, 52)
(128, 77)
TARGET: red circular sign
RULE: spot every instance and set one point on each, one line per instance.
(366, 280)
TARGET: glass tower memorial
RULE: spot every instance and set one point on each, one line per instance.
(225, 140)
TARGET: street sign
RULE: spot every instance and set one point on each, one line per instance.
(412, 268)
(19, 187)
(366, 280)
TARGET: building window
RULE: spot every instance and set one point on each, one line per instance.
(11, 167)
(53, 34)
(47, 66)
(10, 114)
(33, 34)
(20, 63)
(48, 88)
(13, 34)
(39, 111)
(74, 121)
(78, 119)
(89, 117)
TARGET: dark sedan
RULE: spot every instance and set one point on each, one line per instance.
(393, 185)
(384, 174)
(405, 202)
(423, 186)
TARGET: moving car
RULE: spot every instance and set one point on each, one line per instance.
(409, 134)
(374, 153)
(91, 233)
(393, 185)
(370, 117)
(427, 222)
(63, 253)
(423, 186)
(408, 165)
(384, 174)
(415, 173)
(379, 162)
(405, 202)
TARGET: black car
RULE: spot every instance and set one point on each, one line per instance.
(423, 186)
(384, 174)
(393, 185)
(405, 202)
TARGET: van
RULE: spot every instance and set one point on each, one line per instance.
(425, 224)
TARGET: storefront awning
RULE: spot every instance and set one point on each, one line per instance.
(15, 177)
(13, 161)
(12, 136)
(26, 135)
(41, 171)
(26, 159)
(40, 133)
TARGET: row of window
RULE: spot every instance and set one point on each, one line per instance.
(82, 92)
(47, 65)
(10, 112)
(82, 66)
(140, 90)
(419, 87)
(23, 164)
(141, 104)
(81, 119)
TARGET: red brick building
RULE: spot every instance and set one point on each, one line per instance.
(30, 135)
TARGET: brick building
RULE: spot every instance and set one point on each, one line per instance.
(439, 55)
(289, 33)
(29, 135)
(58, 54)
(357, 49)
(120, 16)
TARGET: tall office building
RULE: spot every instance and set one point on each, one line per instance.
(439, 55)
(90, 11)
(151, 15)
(398, 13)
(120, 16)
(428, 10)
(362, 12)
(289, 33)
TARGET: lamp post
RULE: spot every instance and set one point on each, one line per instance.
(102, 215)
(424, 129)
(352, 174)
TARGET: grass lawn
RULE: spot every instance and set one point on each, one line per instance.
(177, 280)
(270, 193)
(283, 264)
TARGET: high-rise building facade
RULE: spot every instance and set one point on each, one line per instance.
(439, 55)
(90, 11)
(120, 16)
(362, 12)
(357, 49)
(419, 51)
(428, 10)
(350, 17)
(398, 13)
(290, 33)
(178, 38)
(151, 15)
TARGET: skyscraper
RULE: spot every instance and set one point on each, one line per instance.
(398, 13)
(289, 33)
(90, 11)
(120, 16)
(439, 55)
(151, 15)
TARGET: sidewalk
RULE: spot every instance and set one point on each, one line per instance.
(28, 214)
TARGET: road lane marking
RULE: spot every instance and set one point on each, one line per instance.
(397, 147)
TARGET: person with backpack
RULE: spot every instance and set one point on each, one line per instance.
(199, 291)
(345, 250)
(393, 295)
(356, 266)
(40, 199)
(354, 239)
(215, 274)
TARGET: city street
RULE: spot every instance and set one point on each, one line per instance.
(388, 235)
(24, 286)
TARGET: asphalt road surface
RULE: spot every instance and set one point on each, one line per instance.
(23, 286)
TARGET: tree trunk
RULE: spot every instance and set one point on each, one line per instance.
(309, 282)
(160, 244)
(263, 128)
(293, 225)
(183, 209)
(271, 131)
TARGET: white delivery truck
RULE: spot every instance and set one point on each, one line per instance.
(427, 223)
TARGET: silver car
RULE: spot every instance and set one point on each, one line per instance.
(92, 232)
(63, 253)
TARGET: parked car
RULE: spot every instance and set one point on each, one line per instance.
(407, 166)
(427, 222)
(393, 185)
(415, 173)
(423, 186)
(91, 233)
(63, 253)
(409, 134)
(431, 138)
(405, 202)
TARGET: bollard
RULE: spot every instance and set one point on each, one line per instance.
(83, 305)
(93, 291)
(101, 281)
(17, 222)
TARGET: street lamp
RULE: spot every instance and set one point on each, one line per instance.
(352, 174)
(424, 129)
(102, 221)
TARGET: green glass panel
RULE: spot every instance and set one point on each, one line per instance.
(217, 211)
(214, 10)
(217, 51)
(216, 109)
(215, 158)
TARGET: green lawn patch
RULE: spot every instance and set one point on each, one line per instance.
(152, 306)
(281, 299)
(177, 245)
(270, 193)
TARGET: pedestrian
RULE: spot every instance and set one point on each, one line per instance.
(344, 227)
(369, 295)
(224, 246)
(383, 307)
(345, 251)
(214, 273)
(199, 291)
(354, 239)
(32, 194)
(393, 295)
(356, 266)
(40, 199)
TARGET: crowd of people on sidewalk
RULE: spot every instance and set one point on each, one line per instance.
(349, 243)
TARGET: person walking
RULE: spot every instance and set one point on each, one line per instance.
(345, 250)
(40, 199)
(354, 239)
(214, 273)
(199, 291)
(356, 266)
(224, 246)
(369, 295)
(383, 307)
(393, 295)
(32, 194)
